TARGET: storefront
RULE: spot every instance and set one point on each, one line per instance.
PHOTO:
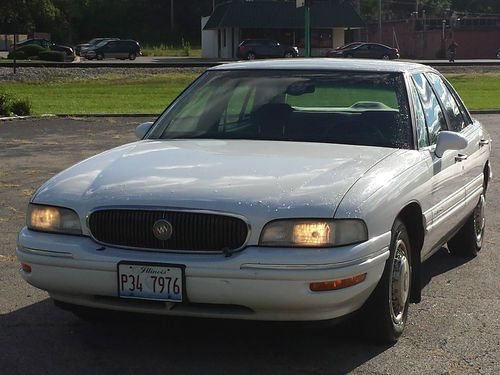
(233, 22)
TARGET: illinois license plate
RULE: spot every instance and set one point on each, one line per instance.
(162, 282)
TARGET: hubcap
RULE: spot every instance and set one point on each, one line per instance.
(479, 219)
(400, 282)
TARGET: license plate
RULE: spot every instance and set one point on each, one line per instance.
(161, 282)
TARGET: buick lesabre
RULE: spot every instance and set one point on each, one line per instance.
(273, 190)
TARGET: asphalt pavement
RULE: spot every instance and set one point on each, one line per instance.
(454, 330)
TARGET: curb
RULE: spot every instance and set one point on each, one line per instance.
(132, 115)
(12, 118)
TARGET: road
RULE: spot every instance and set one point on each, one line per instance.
(454, 330)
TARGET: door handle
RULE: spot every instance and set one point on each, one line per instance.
(460, 157)
(484, 142)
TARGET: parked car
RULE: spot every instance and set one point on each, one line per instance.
(284, 190)
(45, 44)
(251, 49)
(333, 53)
(118, 49)
(91, 43)
(367, 50)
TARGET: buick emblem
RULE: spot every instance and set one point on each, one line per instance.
(162, 229)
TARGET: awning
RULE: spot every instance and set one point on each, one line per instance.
(282, 15)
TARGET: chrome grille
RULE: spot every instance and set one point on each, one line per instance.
(192, 231)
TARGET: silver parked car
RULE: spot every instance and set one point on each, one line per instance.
(275, 190)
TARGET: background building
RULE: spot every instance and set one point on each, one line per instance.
(332, 25)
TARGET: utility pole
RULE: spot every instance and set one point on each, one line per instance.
(307, 28)
(172, 15)
(380, 21)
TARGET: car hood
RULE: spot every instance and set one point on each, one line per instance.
(256, 179)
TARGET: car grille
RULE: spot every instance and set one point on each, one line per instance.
(191, 231)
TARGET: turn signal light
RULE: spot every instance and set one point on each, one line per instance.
(26, 267)
(323, 286)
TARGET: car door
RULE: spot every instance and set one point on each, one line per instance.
(446, 188)
(362, 51)
(473, 157)
(110, 50)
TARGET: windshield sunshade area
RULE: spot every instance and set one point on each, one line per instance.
(358, 108)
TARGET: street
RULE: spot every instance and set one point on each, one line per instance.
(454, 330)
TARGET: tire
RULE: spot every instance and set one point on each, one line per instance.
(498, 55)
(469, 239)
(289, 55)
(386, 57)
(251, 56)
(348, 56)
(132, 56)
(384, 314)
(99, 56)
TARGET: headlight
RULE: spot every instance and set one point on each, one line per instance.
(313, 233)
(53, 219)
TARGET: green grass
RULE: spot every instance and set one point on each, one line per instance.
(147, 93)
(171, 51)
(106, 94)
(477, 90)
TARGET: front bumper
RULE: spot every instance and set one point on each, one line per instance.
(256, 283)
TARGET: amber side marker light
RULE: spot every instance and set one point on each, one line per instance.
(26, 267)
(323, 286)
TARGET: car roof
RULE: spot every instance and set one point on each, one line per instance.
(326, 64)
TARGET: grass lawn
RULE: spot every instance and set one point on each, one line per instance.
(106, 94)
(143, 93)
(477, 90)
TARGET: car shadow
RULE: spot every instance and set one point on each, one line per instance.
(441, 262)
(51, 339)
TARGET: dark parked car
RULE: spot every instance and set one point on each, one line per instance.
(251, 49)
(91, 43)
(367, 51)
(118, 49)
(45, 44)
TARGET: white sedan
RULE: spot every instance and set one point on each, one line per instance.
(283, 190)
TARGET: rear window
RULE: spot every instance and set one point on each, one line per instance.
(330, 107)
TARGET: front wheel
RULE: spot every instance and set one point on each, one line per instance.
(289, 55)
(132, 56)
(386, 57)
(100, 56)
(385, 312)
(251, 56)
(498, 55)
(469, 239)
(348, 56)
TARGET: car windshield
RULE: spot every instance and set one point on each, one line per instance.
(95, 41)
(359, 108)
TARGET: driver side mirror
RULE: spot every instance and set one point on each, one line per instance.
(142, 129)
(449, 141)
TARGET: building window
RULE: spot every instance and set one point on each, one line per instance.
(321, 38)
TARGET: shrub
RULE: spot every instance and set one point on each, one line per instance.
(51, 56)
(21, 107)
(33, 50)
(5, 104)
(186, 47)
(19, 55)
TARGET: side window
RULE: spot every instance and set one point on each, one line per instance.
(422, 135)
(455, 118)
(432, 109)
